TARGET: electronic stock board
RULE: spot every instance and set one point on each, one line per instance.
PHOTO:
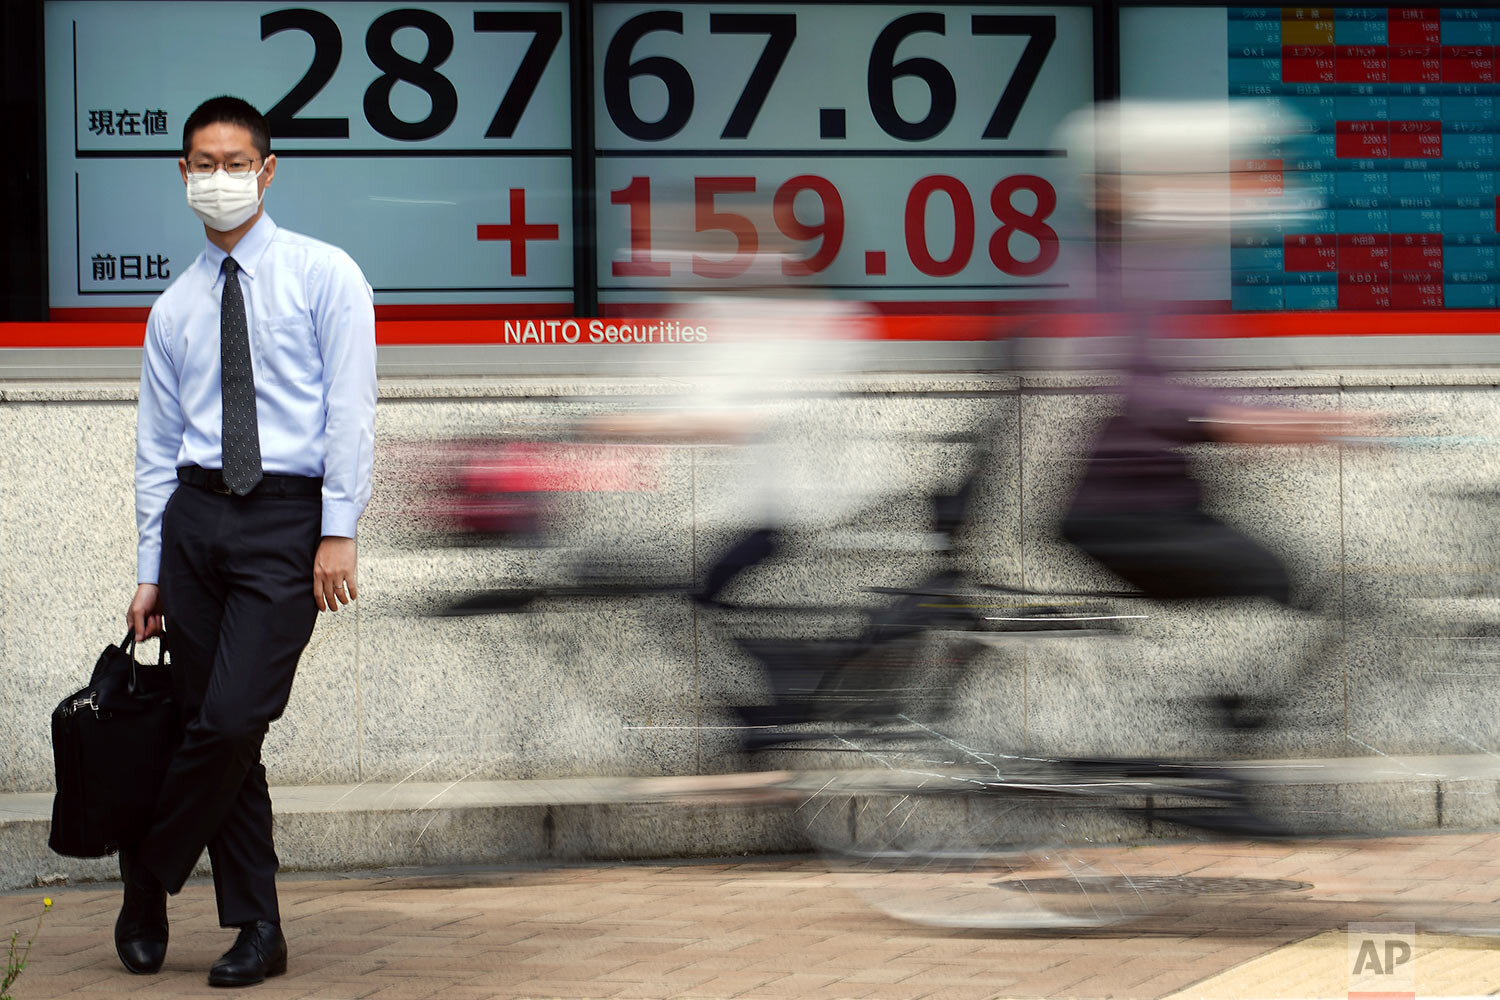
(894, 153)
(1391, 127)
(542, 158)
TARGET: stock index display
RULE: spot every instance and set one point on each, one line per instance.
(891, 152)
(1395, 136)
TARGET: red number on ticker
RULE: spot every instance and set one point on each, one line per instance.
(747, 240)
(637, 194)
(830, 228)
(916, 226)
(1013, 220)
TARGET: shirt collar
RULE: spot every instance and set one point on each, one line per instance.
(247, 252)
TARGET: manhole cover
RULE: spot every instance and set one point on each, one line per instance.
(1153, 885)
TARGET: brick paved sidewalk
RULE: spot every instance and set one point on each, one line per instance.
(777, 929)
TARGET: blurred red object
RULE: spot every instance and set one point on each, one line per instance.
(504, 488)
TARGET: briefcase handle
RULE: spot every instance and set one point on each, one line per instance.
(128, 648)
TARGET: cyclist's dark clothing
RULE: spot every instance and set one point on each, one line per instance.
(1179, 554)
(751, 550)
(1138, 508)
(1137, 463)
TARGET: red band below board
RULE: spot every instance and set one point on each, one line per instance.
(931, 328)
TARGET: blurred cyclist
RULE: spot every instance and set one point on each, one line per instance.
(800, 464)
(1166, 205)
(1169, 199)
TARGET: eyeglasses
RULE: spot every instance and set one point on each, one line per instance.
(238, 168)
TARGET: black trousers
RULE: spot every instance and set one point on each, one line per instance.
(236, 588)
(1180, 554)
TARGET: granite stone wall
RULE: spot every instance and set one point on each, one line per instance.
(1397, 545)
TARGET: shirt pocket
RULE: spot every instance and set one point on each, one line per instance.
(286, 350)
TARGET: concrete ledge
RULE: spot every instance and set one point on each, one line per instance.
(368, 825)
(937, 383)
(345, 827)
(501, 387)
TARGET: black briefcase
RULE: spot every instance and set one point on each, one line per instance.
(112, 743)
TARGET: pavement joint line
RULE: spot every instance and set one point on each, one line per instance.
(405, 794)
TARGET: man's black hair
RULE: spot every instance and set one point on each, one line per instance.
(230, 111)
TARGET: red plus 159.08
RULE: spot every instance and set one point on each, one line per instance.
(735, 217)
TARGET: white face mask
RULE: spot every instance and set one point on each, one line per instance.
(221, 201)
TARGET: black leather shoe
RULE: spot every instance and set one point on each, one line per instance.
(258, 953)
(141, 930)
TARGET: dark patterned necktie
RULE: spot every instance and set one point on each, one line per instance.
(241, 432)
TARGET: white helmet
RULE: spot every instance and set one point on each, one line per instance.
(1185, 165)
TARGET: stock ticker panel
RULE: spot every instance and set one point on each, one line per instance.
(891, 153)
(1396, 138)
(432, 142)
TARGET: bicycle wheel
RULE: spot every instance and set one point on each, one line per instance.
(956, 847)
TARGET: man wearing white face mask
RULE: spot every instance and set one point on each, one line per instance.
(254, 448)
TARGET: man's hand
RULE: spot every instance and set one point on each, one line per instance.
(144, 615)
(333, 573)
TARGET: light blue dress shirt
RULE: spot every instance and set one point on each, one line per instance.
(312, 347)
